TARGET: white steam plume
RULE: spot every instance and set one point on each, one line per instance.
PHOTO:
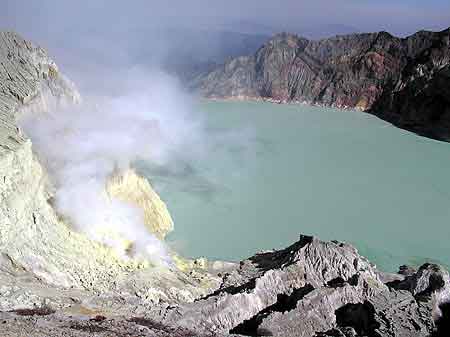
(84, 145)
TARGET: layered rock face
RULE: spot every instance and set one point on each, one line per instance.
(420, 98)
(34, 238)
(31, 234)
(401, 80)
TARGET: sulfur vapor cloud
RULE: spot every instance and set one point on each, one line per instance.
(149, 119)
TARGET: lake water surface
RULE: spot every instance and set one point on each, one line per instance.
(275, 171)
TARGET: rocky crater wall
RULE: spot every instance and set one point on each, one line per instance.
(403, 81)
(32, 235)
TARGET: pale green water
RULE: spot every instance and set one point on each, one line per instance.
(296, 169)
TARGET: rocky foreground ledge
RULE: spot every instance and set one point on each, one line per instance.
(311, 288)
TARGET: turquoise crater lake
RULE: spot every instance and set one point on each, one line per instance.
(275, 171)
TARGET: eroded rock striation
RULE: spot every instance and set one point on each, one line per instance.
(402, 80)
(316, 288)
(312, 288)
(35, 241)
(57, 282)
(32, 235)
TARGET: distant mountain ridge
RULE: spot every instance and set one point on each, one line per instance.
(402, 80)
(206, 50)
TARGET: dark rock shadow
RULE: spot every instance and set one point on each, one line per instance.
(275, 259)
(443, 323)
(284, 303)
(360, 317)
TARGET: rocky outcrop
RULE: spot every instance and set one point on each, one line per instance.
(37, 243)
(404, 81)
(316, 288)
(420, 98)
(31, 233)
(312, 288)
(130, 187)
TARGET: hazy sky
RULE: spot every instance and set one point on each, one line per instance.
(60, 16)
(85, 36)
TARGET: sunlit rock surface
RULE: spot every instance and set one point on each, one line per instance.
(312, 288)
(132, 188)
(33, 237)
(316, 288)
(31, 233)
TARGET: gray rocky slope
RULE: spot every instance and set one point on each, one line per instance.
(311, 288)
(56, 282)
(404, 81)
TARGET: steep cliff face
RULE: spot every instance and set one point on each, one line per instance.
(32, 235)
(358, 71)
(420, 98)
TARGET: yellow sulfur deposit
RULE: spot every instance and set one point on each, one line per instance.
(132, 188)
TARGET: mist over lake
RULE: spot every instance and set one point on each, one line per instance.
(291, 169)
